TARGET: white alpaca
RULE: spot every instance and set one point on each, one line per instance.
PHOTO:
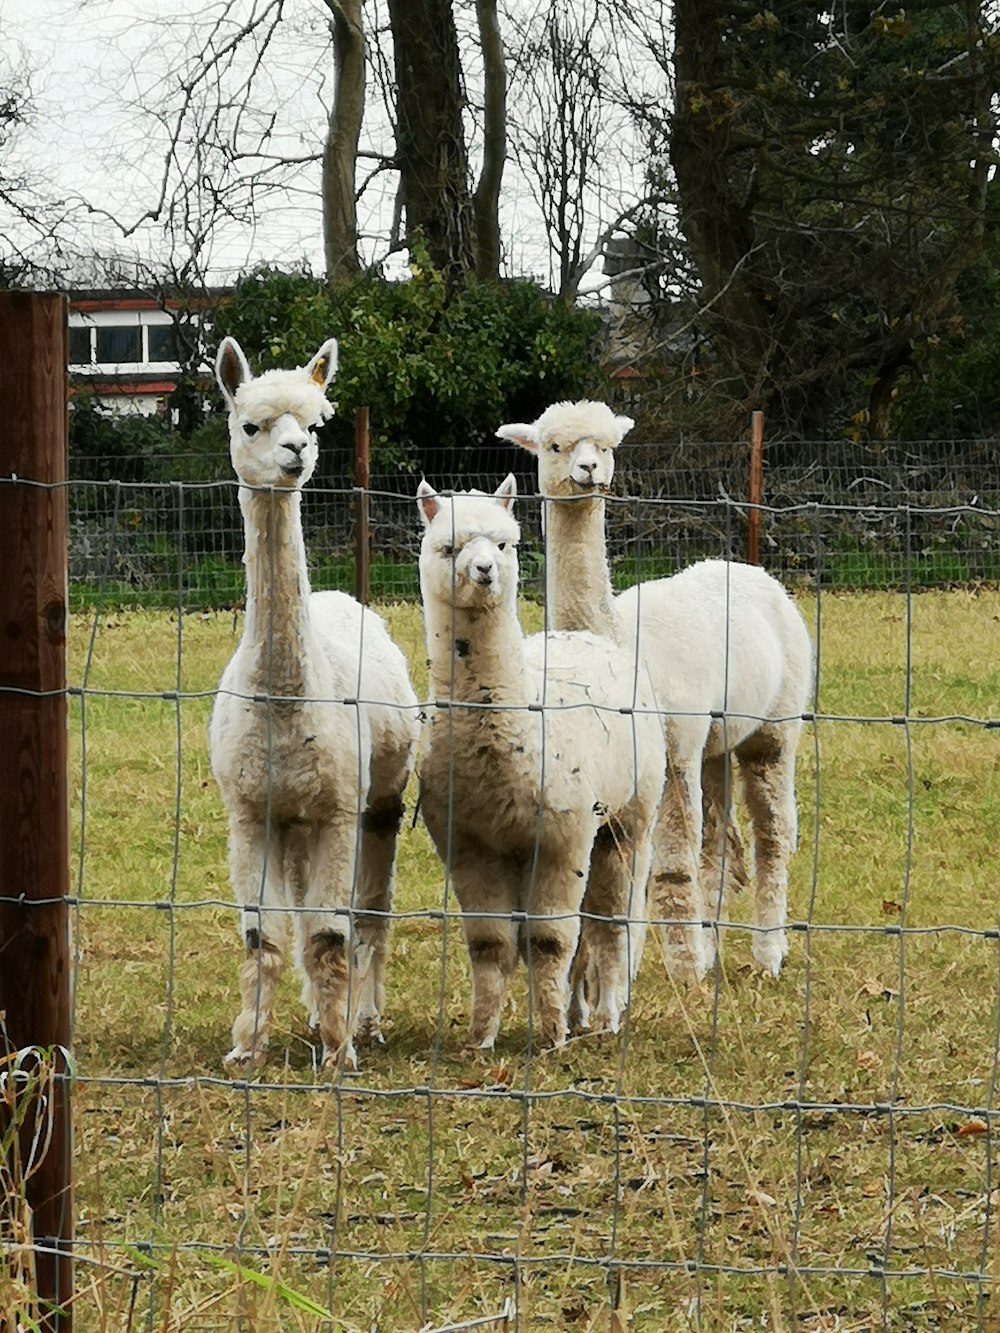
(311, 735)
(732, 663)
(541, 772)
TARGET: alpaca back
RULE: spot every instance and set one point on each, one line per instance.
(600, 708)
(722, 637)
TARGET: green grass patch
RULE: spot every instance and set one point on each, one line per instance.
(748, 1154)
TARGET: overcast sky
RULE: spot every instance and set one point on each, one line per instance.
(91, 58)
(85, 140)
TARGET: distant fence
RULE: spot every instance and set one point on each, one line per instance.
(834, 515)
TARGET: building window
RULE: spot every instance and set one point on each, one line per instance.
(162, 342)
(79, 346)
(118, 343)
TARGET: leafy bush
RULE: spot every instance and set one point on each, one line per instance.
(438, 374)
(130, 448)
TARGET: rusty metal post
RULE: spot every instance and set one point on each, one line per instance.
(362, 536)
(34, 805)
(756, 487)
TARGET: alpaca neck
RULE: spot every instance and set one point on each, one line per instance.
(475, 654)
(578, 593)
(277, 619)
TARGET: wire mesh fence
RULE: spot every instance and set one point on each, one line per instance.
(851, 516)
(812, 1151)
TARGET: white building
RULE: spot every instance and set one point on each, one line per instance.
(123, 348)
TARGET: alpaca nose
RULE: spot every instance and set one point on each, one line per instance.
(295, 466)
(484, 568)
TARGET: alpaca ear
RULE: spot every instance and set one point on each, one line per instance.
(231, 368)
(506, 491)
(322, 368)
(427, 502)
(525, 436)
(624, 425)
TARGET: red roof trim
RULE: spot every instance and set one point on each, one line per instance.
(89, 304)
(118, 387)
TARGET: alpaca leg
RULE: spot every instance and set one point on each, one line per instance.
(723, 857)
(584, 979)
(325, 933)
(551, 932)
(255, 869)
(675, 883)
(598, 979)
(485, 885)
(616, 888)
(259, 977)
(767, 763)
(379, 830)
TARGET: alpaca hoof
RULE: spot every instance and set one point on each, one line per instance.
(246, 1059)
(579, 1022)
(340, 1057)
(579, 1015)
(769, 952)
(475, 1043)
(706, 963)
(370, 1030)
(554, 1036)
(607, 1016)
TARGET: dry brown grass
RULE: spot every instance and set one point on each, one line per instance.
(749, 1154)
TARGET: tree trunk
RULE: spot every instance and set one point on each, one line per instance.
(430, 138)
(340, 150)
(486, 201)
(716, 219)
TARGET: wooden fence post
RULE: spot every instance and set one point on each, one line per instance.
(756, 487)
(34, 805)
(362, 537)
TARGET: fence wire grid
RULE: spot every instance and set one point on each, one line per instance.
(812, 1151)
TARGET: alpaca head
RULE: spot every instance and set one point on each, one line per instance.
(273, 418)
(574, 444)
(468, 556)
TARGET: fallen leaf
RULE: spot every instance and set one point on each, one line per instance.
(879, 988)
(760, 1199)
(973, 1126)
(891, 908)
(868, 1059)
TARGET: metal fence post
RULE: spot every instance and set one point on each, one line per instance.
(362, 536)
(756, 488)
(34, 806)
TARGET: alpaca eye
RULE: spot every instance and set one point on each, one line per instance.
(447, 551)
(554, 448)
(501, 546)
(249, 428)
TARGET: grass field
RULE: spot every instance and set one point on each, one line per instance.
(809, 1153)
